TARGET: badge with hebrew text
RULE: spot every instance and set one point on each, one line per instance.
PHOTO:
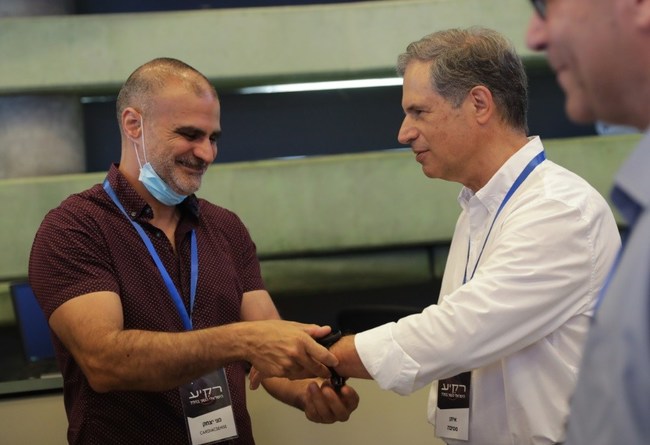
(452, 412)
(208, 409)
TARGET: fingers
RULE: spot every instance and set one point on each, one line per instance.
(292, 367)
(318, 358)
(317, 361)
(324, 405)
(287, 349)
(316, 351)
(255, 378)
(315, 330)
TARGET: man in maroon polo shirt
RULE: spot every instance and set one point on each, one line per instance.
(155, 296)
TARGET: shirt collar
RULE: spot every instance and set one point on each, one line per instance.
(632, 182)
(136, 206)
(493, 193)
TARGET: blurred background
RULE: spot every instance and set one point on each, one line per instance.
(257, 125)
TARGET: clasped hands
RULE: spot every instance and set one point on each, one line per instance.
(290, 350)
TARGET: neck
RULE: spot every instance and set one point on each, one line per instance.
(165, 217)
(494, 154)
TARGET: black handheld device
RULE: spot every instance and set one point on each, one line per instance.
(330, 339)
(336, 380)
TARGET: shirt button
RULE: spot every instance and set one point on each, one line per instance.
(133, 214)
(157, 234)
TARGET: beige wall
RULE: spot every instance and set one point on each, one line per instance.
(33, 420)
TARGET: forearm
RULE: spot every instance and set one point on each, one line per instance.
(350, 364)
(113, 358)
(157, 361)
(154, 361)
(287, 391)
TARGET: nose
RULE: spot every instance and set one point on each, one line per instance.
(206, 150)
(536, 35)
(407, 132)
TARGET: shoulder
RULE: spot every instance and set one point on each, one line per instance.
(216, 213)
(78, 208)
(215, 218)
(557, 198)
(557, 183)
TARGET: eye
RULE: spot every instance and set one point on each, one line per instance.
(190, 136)
(189, 133)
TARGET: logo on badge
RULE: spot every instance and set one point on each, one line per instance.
(206, 396)
(453, 390)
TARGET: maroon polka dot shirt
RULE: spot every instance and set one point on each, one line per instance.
(87, 245)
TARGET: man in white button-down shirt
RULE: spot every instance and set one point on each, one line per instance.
(529, 255)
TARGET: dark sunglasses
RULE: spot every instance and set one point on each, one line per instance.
(540, 7)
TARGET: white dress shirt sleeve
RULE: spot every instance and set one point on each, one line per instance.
(536, 273)
(385, 360)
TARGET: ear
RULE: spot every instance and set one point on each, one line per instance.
(131, 122)
(642, 14)
(483, 105)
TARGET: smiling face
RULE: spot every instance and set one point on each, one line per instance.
(586, 46)
(181, 131)
(439, 134)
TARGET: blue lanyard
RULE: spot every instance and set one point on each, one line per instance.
(520, 179)
(194, 264)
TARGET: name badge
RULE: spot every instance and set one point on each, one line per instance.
(452, 412)
(207, 407)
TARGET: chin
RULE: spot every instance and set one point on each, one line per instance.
(187, 186)
(429, 173)
(580, 113)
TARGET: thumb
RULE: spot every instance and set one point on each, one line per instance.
(255, 378)
(317, 331)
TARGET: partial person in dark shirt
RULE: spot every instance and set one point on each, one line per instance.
(155, 296)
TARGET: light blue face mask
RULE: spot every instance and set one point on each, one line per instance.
(158, 188)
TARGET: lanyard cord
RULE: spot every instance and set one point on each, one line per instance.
(520, 179)
(194, 264)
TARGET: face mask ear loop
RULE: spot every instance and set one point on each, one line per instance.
(135, 147)
(144, 151)
(144, 148)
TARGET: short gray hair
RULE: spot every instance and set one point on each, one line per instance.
(465, 58)
(148, 79)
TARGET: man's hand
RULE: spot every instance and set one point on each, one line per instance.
(317, 398)
(323, 404)
(279, 348)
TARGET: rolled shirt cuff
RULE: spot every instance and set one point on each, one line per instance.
(386, 362)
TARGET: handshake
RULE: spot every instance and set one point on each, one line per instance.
(297, 356)
(293, 362)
